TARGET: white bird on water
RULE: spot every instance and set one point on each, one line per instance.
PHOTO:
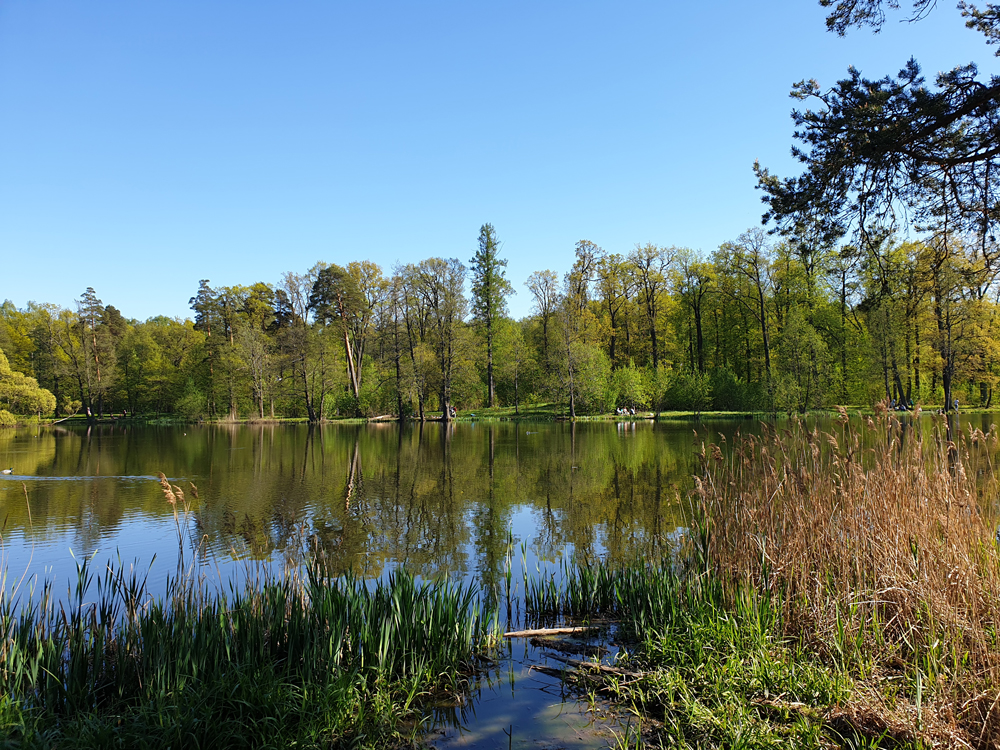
(6, 471)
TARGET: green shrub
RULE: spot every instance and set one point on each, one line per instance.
(193, 404)
(630, 387)
(732, 393)
(688, 391)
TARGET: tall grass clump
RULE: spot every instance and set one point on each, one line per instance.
(634, 593)
(292, 659)
(702, 666)
(875, 543)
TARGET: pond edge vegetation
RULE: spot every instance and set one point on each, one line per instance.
(833, 587)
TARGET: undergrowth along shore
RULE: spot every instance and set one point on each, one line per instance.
(835, 588)
(543, 412)
(838, 586)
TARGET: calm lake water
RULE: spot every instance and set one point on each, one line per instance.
(458, 500)
(437, 499)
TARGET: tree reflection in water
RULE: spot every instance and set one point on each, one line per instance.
(439, 499)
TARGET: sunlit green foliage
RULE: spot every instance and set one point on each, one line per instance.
(757, 325)
(20, 394)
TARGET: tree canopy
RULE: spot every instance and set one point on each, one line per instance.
(881, 153)
(20, 394)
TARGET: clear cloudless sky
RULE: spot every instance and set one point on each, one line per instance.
(147, 145)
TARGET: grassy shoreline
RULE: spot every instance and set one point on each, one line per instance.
(537, 413)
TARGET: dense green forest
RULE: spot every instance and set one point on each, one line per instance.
(763, 322)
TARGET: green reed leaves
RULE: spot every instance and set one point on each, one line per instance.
(318, 661)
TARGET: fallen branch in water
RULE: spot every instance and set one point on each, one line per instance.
(568, 646)
(583, 675)
(561, 673)
(593, 665)
(547, 631)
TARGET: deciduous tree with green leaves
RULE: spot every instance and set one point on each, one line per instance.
(439, 283)
(20, 394)
(544, 288)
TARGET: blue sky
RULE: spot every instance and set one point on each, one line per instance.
(145, 146)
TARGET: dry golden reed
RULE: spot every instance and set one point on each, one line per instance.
(875, 541)
(168, 491)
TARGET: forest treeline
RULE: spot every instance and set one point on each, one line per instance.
(761, 323)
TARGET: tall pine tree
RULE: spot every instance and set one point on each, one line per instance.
(490, 290)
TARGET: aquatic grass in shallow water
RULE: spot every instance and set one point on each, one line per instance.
(282, 660)
(698, 668)
(838, 586)
(644, 590)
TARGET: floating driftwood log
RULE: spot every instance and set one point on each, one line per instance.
(548, 631)
(595, 666)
